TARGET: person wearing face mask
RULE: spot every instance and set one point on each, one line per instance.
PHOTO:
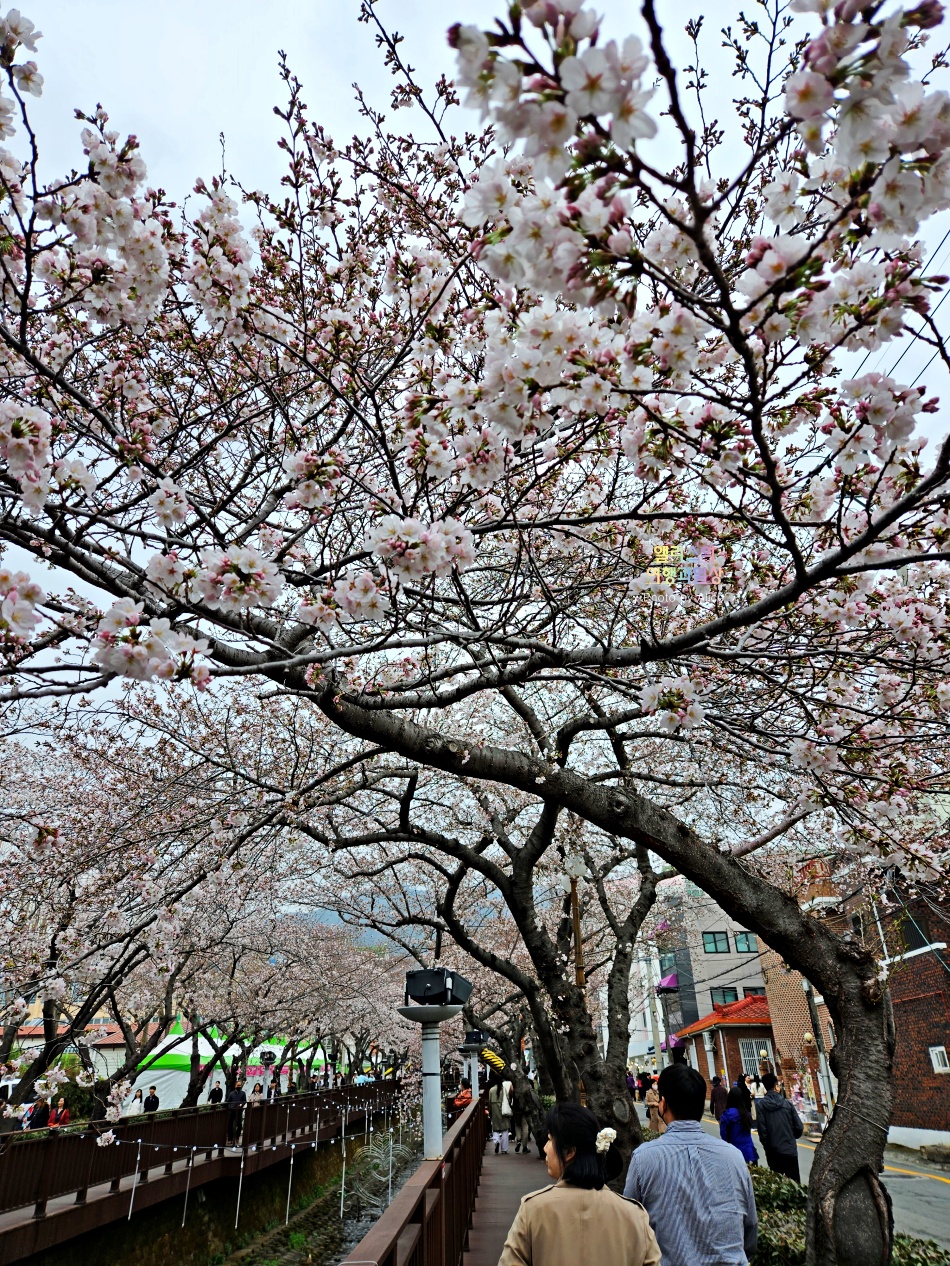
(578, 1220)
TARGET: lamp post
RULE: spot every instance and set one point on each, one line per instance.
(475, 1039)
(437, 995)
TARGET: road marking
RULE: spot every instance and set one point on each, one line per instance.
(891, 1169)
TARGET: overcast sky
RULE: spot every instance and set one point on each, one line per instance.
(180, 72)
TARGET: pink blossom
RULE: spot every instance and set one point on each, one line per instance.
(808, 95)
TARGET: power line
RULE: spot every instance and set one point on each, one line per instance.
(925, 368)
(933, 256)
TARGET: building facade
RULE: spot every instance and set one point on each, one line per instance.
(715, 960)
(733, 1041)
(908, 936)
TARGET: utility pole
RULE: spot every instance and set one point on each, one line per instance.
(824, 1070)
(580, 979)
(651, 994)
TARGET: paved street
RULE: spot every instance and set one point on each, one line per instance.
(921, 1194)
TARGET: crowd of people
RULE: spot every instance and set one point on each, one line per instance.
(750, 1106)
(687, 1198)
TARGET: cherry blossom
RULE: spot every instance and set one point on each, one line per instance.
(236, 579)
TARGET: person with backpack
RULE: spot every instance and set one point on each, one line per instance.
(499, 1106)
(779, 1126)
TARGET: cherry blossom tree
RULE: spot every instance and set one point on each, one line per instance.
(142, 883)
(537, 422)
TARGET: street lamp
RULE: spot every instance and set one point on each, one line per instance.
(475, 1040)
(437, 994)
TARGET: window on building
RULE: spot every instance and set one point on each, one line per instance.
(750, 1052)
(716, 942)
(753, 991)
(913, 932)
(722, 996)
(667, 964)
(746, 943)
(938, 1058)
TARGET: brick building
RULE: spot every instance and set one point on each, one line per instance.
(914, 934)
(730, 1041)
(799, 1063)
(908, 935)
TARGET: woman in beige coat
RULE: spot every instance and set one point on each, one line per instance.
(578, 1221)
(652, 1102)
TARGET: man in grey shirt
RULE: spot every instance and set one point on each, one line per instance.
(696, 1188)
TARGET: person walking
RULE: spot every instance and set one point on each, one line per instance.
(59, 1115)
(735, 1125)
(499, 1106)
(696, 1188)
(236, 1101)
(522, 1102)
(151, 1100)
(216, 1094)
(779, 1125)
(717, 1098)
(652, 1102)
(577, 1220)
(257, 1094)
(136, 1107)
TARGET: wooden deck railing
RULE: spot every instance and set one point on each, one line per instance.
(428, 1221)
(39, 1166)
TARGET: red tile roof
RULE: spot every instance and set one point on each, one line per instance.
(751, 1010)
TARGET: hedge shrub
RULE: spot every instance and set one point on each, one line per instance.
(781, 1207)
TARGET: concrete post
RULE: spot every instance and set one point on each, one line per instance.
(431, 1091)
(430, 1017)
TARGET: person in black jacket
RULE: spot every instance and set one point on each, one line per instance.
(39, 1117)
(217, 1094)
(779, 1126)
(236, 1101)
(151, 1100)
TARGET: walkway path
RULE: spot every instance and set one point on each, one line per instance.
(505, 1179)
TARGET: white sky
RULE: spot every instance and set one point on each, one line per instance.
(179, 72)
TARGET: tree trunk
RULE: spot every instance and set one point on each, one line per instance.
(197, 1075)
(850, 1222)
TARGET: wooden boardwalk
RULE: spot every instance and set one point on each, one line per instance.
(504, 1180)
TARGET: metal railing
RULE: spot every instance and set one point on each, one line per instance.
(428, 1222)
(39, 1166)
